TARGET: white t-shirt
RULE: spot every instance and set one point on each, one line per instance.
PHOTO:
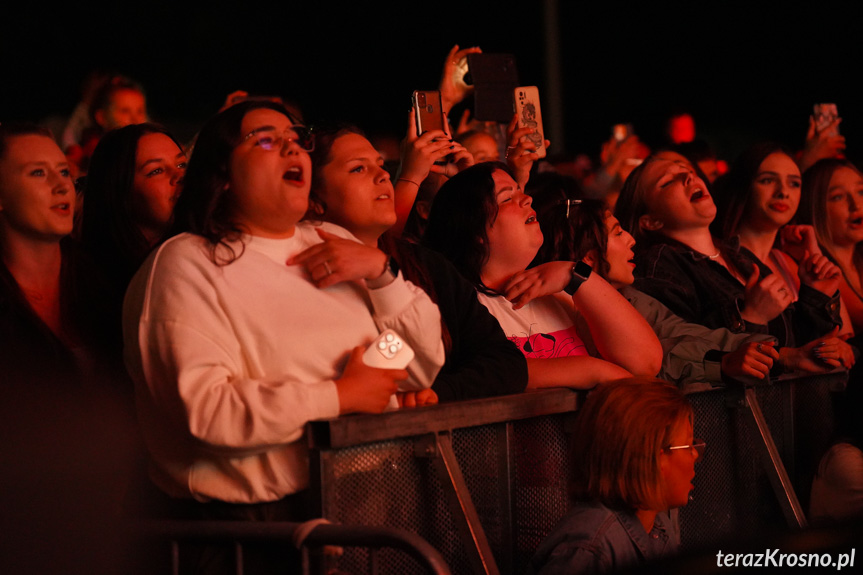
(542, 329)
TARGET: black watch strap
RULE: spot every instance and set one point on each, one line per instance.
(580, 272)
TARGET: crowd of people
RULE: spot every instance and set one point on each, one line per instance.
(223, 292)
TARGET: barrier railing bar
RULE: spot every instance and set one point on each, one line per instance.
(773, 465)
(348, 431)
(324, 534)
(461, 505)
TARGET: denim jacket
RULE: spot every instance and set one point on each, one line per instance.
(701, 290)
(592, 538)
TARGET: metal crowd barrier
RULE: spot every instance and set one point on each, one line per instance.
(484, 481)
(416, 552)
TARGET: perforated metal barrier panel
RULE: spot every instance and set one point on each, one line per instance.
(516, 472)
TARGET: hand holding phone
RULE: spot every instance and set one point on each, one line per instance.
(388, 351)
(427, 111)
(529, 115)
(825, 116)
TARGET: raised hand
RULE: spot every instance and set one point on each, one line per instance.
(452, 89)
(820, 273)
(520, 151)
(796, 240)
(824, 144)
(764, 299)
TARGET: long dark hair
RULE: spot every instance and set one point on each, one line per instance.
(460, 214)
(733, 190)
(204, 208)
(403, 252)
(108, 228)
(572, 226)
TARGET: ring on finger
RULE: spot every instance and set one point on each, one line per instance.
(758, 347)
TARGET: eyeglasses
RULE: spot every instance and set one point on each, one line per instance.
(569, 204)
(269, 138)
(697, 444)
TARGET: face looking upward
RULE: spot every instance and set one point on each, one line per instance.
(159, 169)
(269, 187)
(619, 254)
(845, 207)
(775, 193)
(676, 198)
(357, 189)
(37, 195)
(514, 236)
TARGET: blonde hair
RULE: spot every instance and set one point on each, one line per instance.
(619, 435)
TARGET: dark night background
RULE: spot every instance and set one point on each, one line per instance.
(744, 73)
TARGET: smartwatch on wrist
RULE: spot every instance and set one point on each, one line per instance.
(580, 272)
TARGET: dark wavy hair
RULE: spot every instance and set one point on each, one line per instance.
(732, 191)
(204, 208)
(568, 238)
(460, 214)
(108, 228)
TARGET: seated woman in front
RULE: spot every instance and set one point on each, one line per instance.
(574, 328)
(233, 350)
(633, 460)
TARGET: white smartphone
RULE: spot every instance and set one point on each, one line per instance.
(388, 351)
(526, 107)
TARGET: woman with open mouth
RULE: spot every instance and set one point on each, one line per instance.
(695, 357)
(833, 204)
(669, 211)
(52, 297)
(135, 178)
(573, 327)
(233, 348)
(351, 188)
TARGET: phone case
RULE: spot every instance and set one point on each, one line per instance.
(526, 104)
(428, 111)
(388, 351)
(824, 115)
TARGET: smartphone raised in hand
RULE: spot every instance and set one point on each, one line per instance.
(427, 111)
(529, 115)
(824, 115)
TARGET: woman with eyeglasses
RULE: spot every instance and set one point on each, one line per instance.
(573, 327)
(234, 348)
(633, 461)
